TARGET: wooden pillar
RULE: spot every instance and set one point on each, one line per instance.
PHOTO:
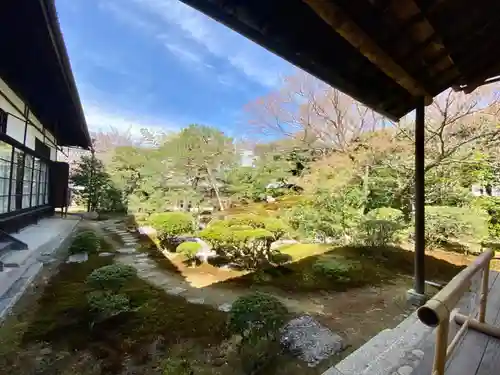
(419, 286)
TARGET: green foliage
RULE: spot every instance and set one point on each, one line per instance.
(338, 269)
(381, 227)
(445, 224)
(386, 213)
(85, 242)
(277, 227)
(176, 366)
(257, 315)
(99, 192)
(169, 224)
(492, 206)
(256, 354)
(245, 239)
(379, 232)
(329, 215)
(189, 249)
(108, 304)
(111, 278)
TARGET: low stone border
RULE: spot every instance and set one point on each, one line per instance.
(46, 254)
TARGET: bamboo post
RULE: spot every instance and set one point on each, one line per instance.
(441, 347)
(484, 293)
(476, 325)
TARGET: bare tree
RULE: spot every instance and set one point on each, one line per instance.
(308, 110)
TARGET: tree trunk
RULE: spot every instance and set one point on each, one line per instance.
(214, 186)
(366, 188)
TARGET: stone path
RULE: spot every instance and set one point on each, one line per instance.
(171, 283)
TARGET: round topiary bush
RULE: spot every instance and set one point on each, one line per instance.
(257, 315)
(172, 223)
(107, 304)
(85, 242)
(189, 249)
(112, 277)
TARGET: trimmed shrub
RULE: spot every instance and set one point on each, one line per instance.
(85, 242)
(337, 269)
(112, 277)
(277, 227)
(189, 249)
(379, 232)
(444, 225)
(256, 316)
(171, 224)
(247, 247)
(176, 366)
(107, 304)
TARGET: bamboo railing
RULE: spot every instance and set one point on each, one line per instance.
(437, 311)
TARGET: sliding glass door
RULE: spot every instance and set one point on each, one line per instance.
(23, 180)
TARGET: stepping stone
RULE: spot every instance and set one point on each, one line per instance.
(197, 301)
(105, 254)
(144, 267)
(226, 307)
(310, 341)
(78, 258)
(176, 291)
(142, 256)
(126, 251)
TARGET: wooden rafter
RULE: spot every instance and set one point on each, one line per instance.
(350, 31)
(423, 30)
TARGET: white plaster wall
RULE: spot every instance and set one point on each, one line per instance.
(53, 153)
(32, 134)
(5, 89)
(15, 126)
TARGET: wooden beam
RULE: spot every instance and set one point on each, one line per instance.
(333, 15)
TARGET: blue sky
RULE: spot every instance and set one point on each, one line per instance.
(162, 65)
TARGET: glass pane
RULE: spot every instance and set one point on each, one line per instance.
(12, 202)
(26, 201)
(4, 186)
(5, 151)
(4, 168)
(3, 204)
(28, 161)
(27, 187)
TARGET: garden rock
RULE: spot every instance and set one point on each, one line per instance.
(105, 254)
(126, 251)
(277, 244)
(310, 341)
(225, 307)
(147, 230)
(78, 258)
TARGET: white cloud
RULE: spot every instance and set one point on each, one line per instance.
(100, 118)
(210, 37)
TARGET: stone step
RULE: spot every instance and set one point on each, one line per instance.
(384, 349)
(15, 258)
(18, 284)
(399, 353)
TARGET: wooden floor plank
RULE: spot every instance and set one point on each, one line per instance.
(468, 344)
(468, 356)
(490, 363)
